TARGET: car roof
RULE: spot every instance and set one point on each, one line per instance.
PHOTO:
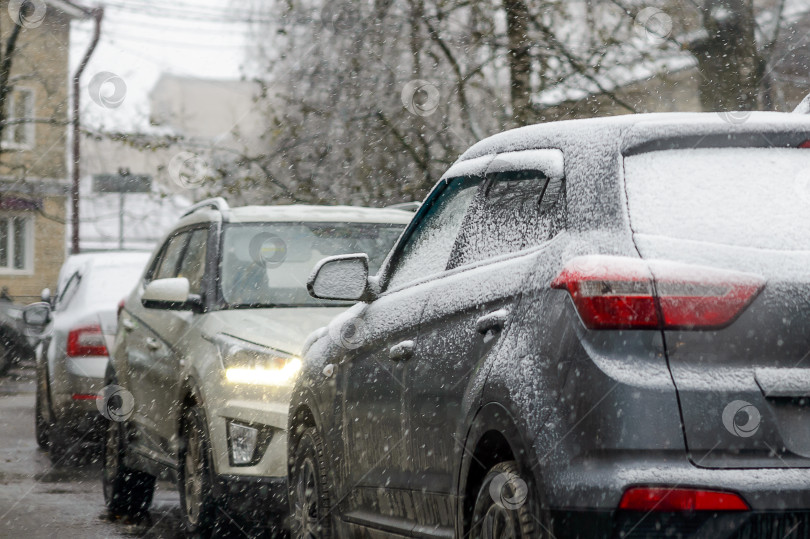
(634, 129)
(302, 213)
(106, 258)
(100, 259)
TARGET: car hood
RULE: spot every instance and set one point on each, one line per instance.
(284, 329)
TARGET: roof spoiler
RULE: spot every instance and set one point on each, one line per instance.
(405, 206)
(804, 106)
(217, 203)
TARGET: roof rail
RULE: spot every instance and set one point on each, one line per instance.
(406, 206)
(217, 203)
(804, 106)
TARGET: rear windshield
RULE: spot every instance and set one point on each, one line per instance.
(747, 197)
(110, 284)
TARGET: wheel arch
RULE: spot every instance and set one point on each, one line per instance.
(493, 437)
(190, 395)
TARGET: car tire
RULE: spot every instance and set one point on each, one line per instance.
(309, 493)
(62, 445)
(506, 506)
(197, 501)
(42, 413)
(127, 492)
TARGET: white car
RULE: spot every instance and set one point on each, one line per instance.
(72, 356)
(206, 354)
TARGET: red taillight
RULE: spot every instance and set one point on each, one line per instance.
(805, 144)
(86, 341)
(623, 293)
(680, 499)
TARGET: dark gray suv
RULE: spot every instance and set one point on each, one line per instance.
(592, 328)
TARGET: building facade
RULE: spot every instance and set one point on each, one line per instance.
(33, 147)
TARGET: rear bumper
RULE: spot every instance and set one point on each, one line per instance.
(640, 525)
(257, 499)
(598, 482)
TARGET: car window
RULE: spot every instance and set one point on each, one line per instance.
(427, 249)
(193, 265)
(515, 210)
(167, 266)
(67, 293)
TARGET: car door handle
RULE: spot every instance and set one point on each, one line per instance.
(496, 320)
(152, 343)
(402, 351)
(128, 324)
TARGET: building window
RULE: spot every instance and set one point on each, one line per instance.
(20, 105)
(15, 244)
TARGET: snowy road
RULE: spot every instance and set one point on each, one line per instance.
(38, 499)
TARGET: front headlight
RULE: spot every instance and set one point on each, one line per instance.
(249, 363)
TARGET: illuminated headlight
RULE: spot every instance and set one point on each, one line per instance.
(249, 363)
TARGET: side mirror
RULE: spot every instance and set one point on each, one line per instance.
(343, 277)
(37, 315)
(170, 294)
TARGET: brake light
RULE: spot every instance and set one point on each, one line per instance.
(86, 341)
(612, 292)
(805, 144)
(680, 499)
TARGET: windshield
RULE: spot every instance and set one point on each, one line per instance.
(746, 197)
(267, 264)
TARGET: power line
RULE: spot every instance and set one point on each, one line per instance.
(158, 41)
(151, 10)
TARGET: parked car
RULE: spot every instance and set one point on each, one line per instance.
(208, 349)
(17, 341)
(72, 354)
(591, 328)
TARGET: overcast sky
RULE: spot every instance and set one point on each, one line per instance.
(142, 38)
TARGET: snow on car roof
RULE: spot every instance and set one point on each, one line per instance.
(302, 212)
(101, 258)
(640, 127)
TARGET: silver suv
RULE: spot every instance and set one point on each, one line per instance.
(206, 354)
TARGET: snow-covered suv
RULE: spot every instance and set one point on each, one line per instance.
(206, 353)
(593, 328)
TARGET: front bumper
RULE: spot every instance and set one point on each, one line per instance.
(259, 407)
(257, 499)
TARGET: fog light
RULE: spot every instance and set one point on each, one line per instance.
(243, 440)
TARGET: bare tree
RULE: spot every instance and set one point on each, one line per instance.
(368, 102)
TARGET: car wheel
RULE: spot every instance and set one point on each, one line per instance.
(126, 492)
(42, 420)
(196, 476)
(506, 506)
(309, 495)
(62, 445)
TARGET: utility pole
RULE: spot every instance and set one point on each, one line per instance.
(124, 173)
(98, 15)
